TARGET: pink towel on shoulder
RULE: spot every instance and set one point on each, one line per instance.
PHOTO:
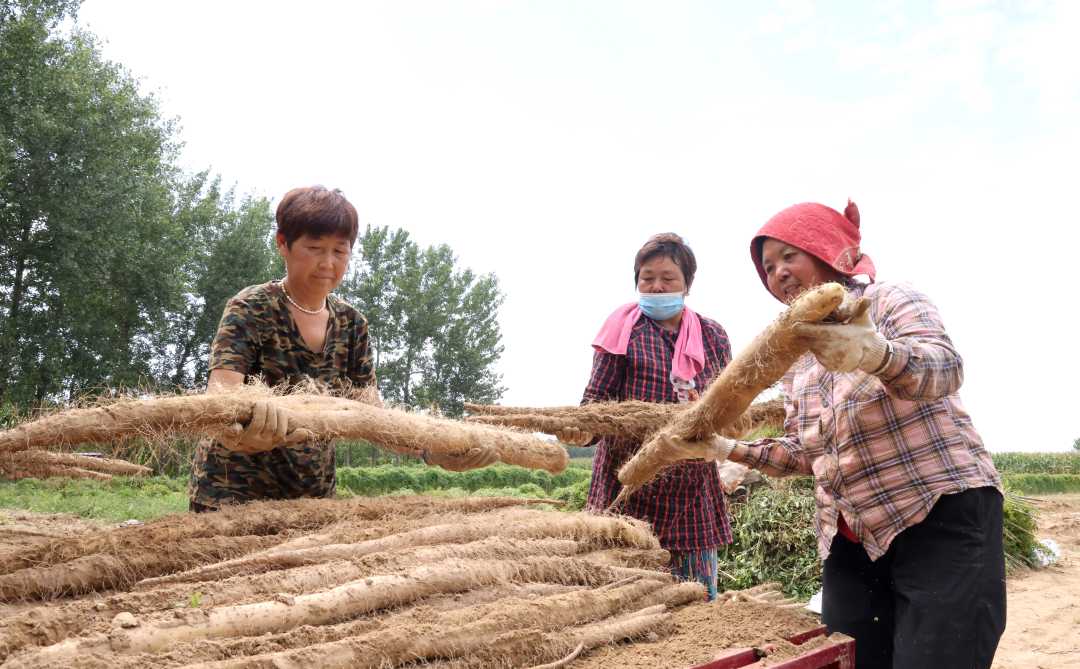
(689, 358)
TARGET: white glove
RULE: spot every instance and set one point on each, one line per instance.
(574, 436)
(474, 458)
(714, 448)
(267, 429)
(845, 347)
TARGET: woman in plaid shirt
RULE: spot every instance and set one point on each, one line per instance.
(657, 350)
(909, 505)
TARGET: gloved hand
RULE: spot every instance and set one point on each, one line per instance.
(845, 347)
(267, 429)
(574, 436)
(715, 448)
(474, 458)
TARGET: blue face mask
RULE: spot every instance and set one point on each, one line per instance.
(660, 306)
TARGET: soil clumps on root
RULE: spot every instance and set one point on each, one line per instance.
(630, 420)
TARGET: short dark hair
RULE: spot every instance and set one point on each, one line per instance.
(316, 211)
(672, 246)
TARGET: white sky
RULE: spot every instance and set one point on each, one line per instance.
(545, 141)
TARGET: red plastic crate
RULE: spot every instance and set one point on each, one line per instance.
(837, 653)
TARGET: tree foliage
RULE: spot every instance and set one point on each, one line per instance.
(115, 266)
(227, 248)
(88, 259)
(433, 326)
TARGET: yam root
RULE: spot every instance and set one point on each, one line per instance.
(495, 632)
(630, 420)
(120, 568)
(47, 625)
(760, 365)
(591, 530)
(322, 416)
(266, 518)
(35, 463)
(335, 605)
(47, 471)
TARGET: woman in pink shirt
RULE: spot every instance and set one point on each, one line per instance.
(658, 350)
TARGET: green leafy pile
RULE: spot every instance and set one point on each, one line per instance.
(774, 540)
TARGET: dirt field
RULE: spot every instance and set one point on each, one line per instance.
(1043, 629)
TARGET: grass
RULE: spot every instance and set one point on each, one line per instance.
(144, 499)
(116, 500)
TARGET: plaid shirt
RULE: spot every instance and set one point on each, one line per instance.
(685, 504)
(882, 449)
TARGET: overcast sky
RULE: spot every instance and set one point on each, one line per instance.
(545, 141)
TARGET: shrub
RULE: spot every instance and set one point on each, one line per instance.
(1019, 533)
(384, 479)
(1038, 484)
(774, 540)
(575, 495)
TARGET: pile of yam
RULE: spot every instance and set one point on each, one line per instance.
(383, 582)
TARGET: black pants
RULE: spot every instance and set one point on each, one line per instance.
(195, 507)
(935, 600)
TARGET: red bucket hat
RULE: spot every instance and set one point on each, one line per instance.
(822, 232)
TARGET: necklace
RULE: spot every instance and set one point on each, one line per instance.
(310, 312)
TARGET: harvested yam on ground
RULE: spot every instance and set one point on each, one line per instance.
(589, 530)
(36, 463)
(630, 419)
(759, 366)
(527, 631)
(555, 550)
(311, 417)
(48, 625)
(120, 557)
(404, 582)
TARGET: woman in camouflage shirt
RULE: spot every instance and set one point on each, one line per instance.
(285, 333)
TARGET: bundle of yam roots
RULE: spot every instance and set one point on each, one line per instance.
(395, 581)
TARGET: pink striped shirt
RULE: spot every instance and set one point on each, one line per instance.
(883, 448)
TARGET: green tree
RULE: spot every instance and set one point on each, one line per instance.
(433, 326)
(1076, 444)
(227, 249)
(90, 258)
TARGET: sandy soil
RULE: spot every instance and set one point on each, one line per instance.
(1043, 625)
(23, 528)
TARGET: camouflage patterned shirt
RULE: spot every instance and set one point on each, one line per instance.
(258, 338)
